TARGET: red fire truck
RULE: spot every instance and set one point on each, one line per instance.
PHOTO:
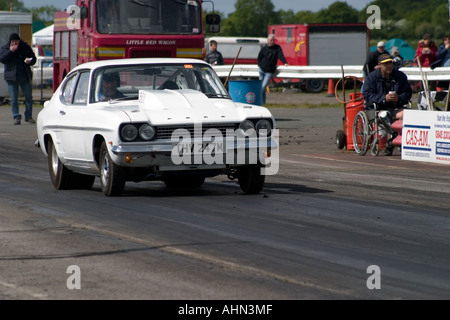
(110, 29)
(322, 45)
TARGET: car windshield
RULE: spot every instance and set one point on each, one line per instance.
(149, 17)
(124, 82)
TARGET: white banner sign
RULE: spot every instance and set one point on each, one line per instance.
(426, 136)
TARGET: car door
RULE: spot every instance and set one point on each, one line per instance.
(73, 121)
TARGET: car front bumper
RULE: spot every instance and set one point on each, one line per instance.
(195, 154)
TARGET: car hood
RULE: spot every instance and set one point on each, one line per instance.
(181, 106)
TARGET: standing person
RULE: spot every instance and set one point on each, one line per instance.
(426, 51)
(397, 59)
(372, 59)
(214, 57)
(443, 60)
(18, 57)
(268, 58)
(443, 53)
(390, 90)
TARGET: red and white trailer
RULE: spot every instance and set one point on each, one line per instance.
(322, 45)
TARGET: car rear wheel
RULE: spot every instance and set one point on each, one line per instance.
(112, 178)
(59, 174)
(250, 179)
(63, 178)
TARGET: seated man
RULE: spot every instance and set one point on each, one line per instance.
(389, 89)
(110, 83)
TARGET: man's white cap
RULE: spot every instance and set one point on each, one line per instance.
(380, 44)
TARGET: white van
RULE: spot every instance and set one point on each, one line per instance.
(229, 48)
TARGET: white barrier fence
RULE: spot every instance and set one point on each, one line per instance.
(327, 72)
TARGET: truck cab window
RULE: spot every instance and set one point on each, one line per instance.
(108, 16)
(149, 17)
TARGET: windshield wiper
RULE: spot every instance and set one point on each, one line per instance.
(124, 98)
(216, 95)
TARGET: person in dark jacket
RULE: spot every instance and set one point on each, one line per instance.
(268, 58)
(443, 60)
(390, 90)
(443, 53)
(18, 57)
(214, 57)
(372, 59)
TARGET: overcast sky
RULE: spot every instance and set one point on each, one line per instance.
(227, 6)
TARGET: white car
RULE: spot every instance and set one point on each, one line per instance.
(43, 72)
(169, 119)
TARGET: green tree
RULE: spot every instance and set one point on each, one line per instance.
(440, 19)
(338, 12)
(287, 16)
(416, 16)
(305, 17)
(251, 18)
(45, 14)
(5, 5)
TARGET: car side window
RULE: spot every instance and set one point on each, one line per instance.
(68, 90)
(81, 91)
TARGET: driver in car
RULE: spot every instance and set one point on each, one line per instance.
(110, 83)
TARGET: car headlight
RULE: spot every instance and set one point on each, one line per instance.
(247, 128)
(129, 132)
(263, 127)
(146, 132)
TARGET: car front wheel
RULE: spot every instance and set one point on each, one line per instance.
(250, 179)
(112, 178)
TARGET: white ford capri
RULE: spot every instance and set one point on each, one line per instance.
(152, 119)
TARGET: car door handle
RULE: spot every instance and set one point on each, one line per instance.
(62, 112)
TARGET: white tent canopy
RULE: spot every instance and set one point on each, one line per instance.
(43, 37)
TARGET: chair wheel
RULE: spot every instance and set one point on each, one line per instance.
(375, 149)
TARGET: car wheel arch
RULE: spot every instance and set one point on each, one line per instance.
(46, 138)
(96, 145)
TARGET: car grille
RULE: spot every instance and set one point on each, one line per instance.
(165, 132)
